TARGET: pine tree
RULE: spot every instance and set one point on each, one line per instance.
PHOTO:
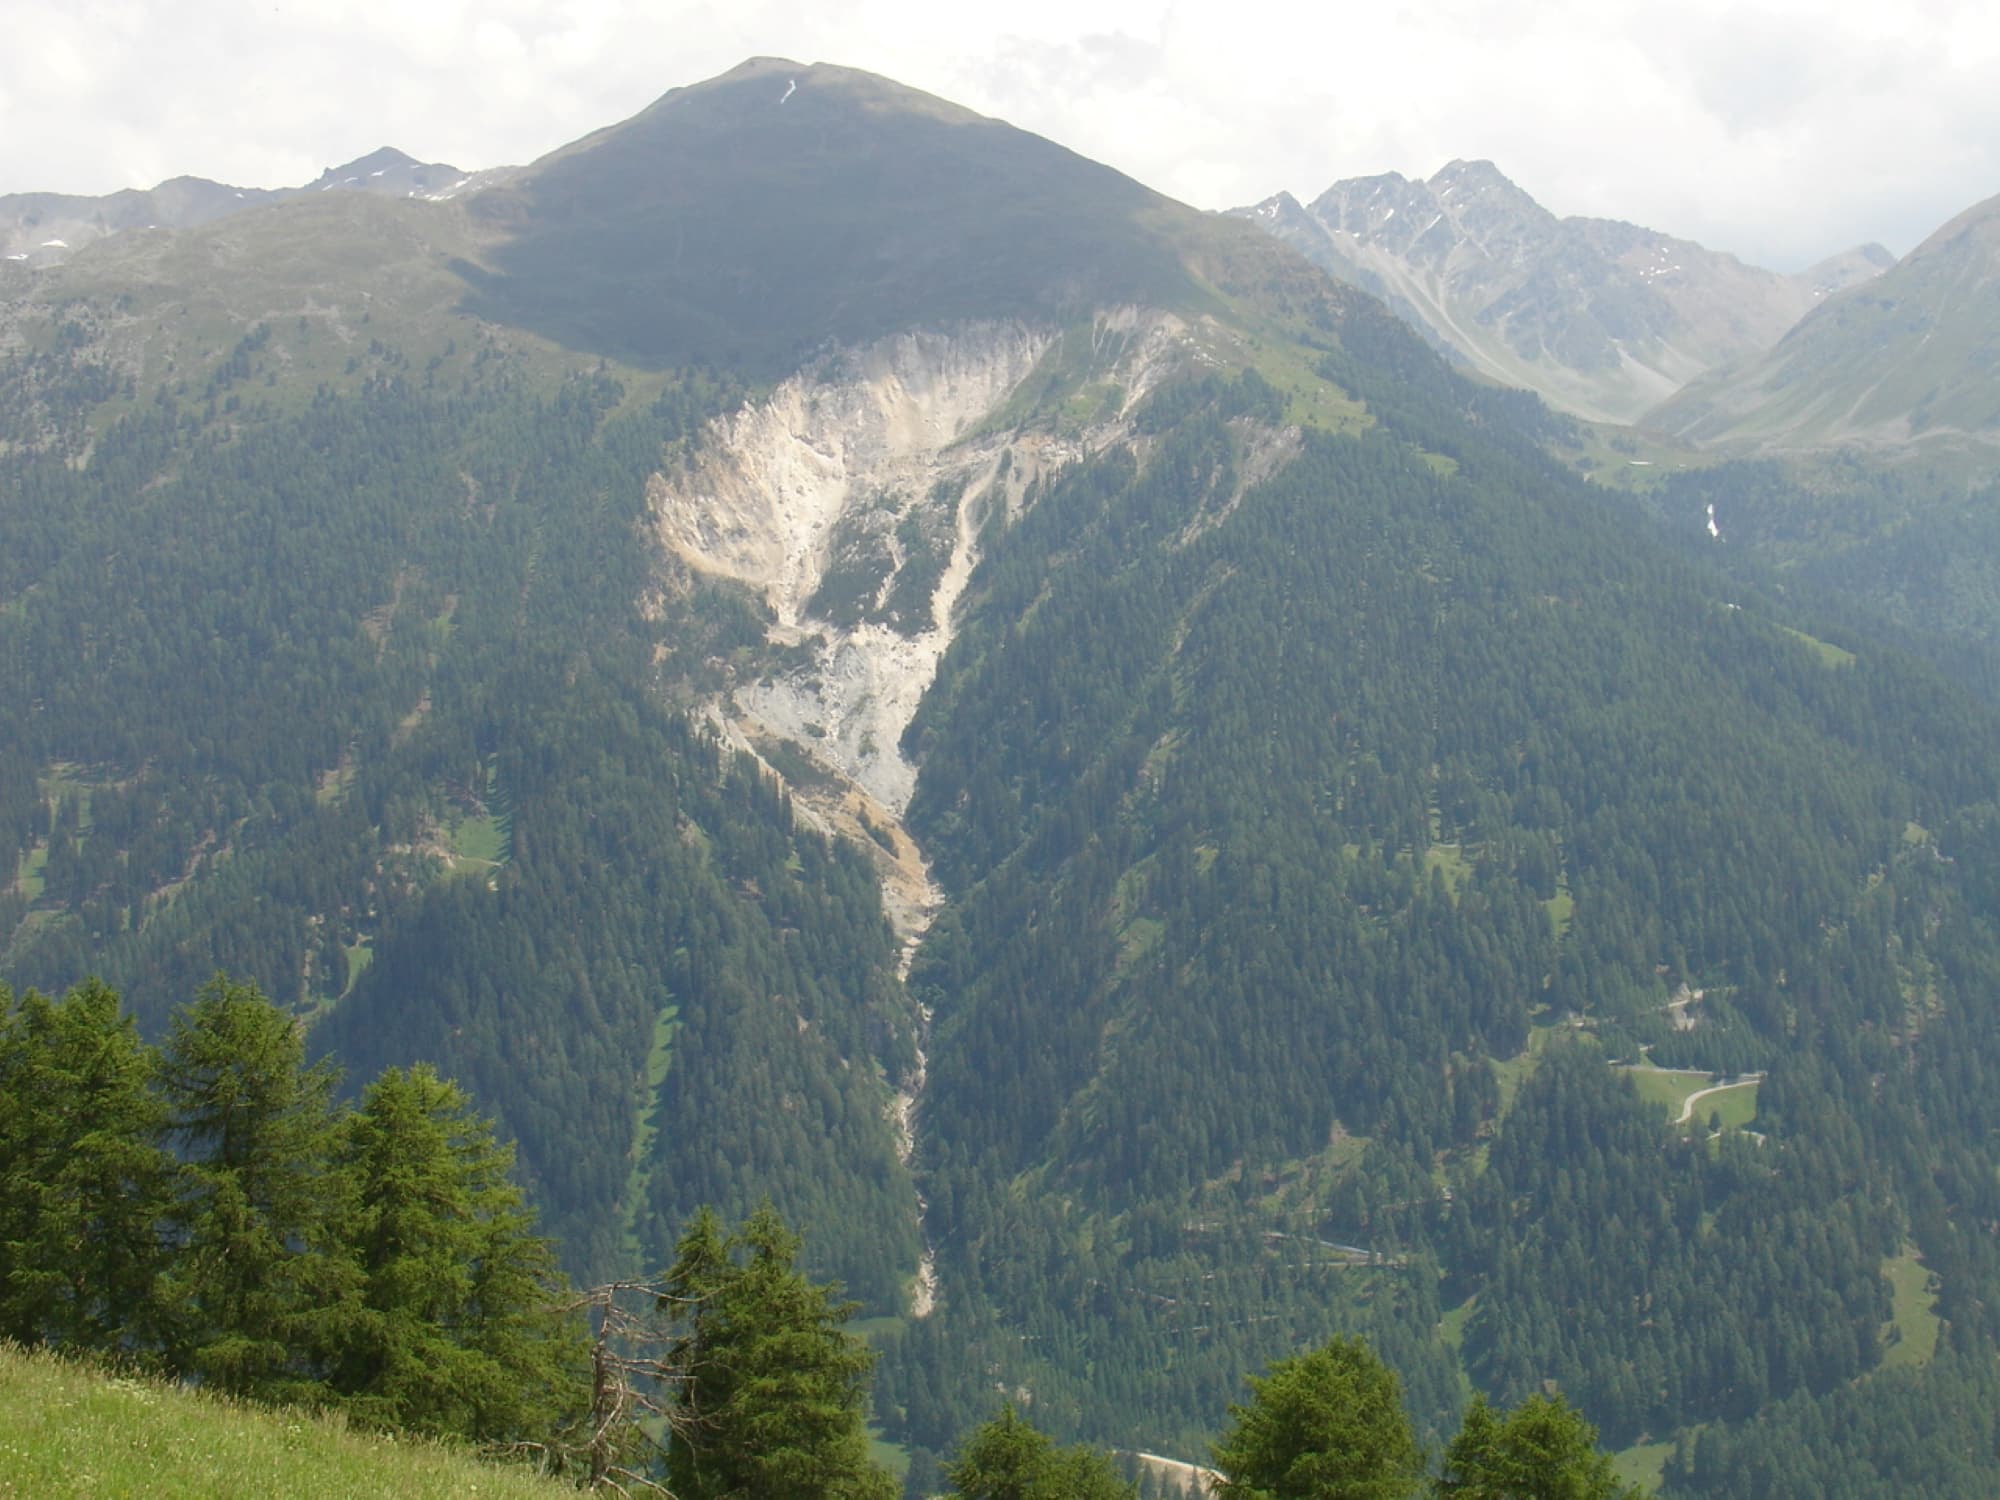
(84, 1183)
(1328, 1425)
(262, 1289)
(1008, 1459)
(459, 1331)
(1542, 1450)
(772, 1385)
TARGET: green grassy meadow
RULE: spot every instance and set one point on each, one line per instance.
(69, 1430)
(1910, 1337)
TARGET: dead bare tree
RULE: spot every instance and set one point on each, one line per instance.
(631, 1380)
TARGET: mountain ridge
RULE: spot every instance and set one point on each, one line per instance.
(1602, 318)
(1905, 361)
(45, 228)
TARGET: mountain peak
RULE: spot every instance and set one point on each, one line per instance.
(386, 169)
(1604, 319)
(761, 215)
(1474, 172)
(758, 83)
(1976, 230)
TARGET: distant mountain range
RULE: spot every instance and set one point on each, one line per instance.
(1911, 358)
(42, 228)
(1602, 318)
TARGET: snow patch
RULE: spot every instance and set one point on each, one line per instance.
(1713, 529)
(55, 244)
(791, 88)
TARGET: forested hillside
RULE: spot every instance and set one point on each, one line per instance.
(1319, 850)
(358, 704)
(1908, 550)
(1369, 880)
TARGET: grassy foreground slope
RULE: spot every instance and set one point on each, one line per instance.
(66, 1429)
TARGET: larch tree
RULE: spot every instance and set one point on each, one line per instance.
(263, 1290)
(84, 1183)
(460, 1330)
(772, 1386)
(1009, 1459)
(1543, 1449)
(1328, 1425)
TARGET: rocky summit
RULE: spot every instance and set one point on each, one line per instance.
(1601, 318)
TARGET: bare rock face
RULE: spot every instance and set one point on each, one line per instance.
(845, 480)
(852, 499)
(1601, 318)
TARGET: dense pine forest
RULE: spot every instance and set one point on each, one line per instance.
(1417, 915)
(1391, 895)
(415, 745)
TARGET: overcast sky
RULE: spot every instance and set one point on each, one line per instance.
(1781, 131)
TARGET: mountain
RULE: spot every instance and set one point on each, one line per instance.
(854, 209)
(44, 228)
(812, 645)
(1601, 318)
(1903, 361)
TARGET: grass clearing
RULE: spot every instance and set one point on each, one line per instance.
(1910, 1337)
(1625, 459)
(1735, 1105)
(646, 1129)
(28, 873)
(1451, 1327)
(482, 841)
(892, 1456)
(1450, 859)
(1668, 1087)
(1140, 936)
(1642, 1464)
(68, 1429)
(334, 784)
(1671, 1088)
(1829, 654)
(879, 1331)
(1561, 908)
(1512, 1072)
(360, 954)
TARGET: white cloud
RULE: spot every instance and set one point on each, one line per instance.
(1779, 129)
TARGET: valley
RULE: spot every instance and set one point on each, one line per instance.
(814, 648)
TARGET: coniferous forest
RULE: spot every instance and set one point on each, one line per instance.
(1403, 921)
